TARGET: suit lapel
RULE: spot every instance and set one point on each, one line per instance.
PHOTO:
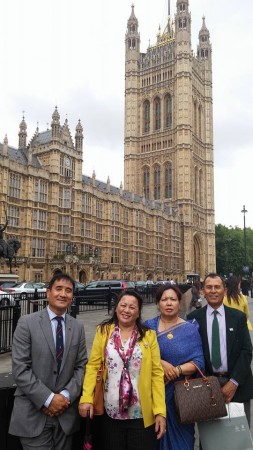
(68, 337)
(203, 332)
(47, 331)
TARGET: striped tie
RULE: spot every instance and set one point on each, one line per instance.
(59, 342)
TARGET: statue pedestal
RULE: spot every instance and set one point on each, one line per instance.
(8, 277)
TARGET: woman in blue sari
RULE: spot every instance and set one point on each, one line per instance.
(179, 343)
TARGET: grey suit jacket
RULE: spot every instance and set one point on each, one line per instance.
(239, 349)
(35, 372)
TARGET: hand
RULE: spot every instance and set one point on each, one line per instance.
(58, 405)
(160, 426)
(83, 408)
(46, 411)
(170, 371)
(228, 391)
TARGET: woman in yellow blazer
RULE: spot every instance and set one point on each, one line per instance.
(134, 393)
(235, 299)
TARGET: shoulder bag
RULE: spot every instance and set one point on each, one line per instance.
(98, 399)
(199, 399)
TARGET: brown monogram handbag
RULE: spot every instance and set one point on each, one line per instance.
(199, 399)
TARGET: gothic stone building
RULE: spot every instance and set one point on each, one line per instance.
(161, 225)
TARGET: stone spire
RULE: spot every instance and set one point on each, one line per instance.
(79, 136)
(55, 124)
(22, 135)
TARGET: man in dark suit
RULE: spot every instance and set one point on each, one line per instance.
(234, 369)
(45, 412)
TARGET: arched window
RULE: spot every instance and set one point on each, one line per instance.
(168, 181)
(146, 181)
(196, 185)
(168, 111)
(157, 182)
(200, 128)
(195, 118)
(201, 188)
(157, 115)
(146, 115)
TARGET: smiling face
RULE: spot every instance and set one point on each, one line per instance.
(214, 291)
(60, 296)
(169, 305)
(127, 311)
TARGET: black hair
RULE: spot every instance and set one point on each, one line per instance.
(214, 275)
(166, 287)
(233, 289)
(61, 276)
(113, 319)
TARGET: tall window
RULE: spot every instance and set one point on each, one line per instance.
(87, 228)
(115, 256)
(146, 181)
(14, 186)
(157, 107)
(200, 128)
(86, 203)
(13, 216)
(38, 248)
(139, 219)
(99, 209)
(115, 234)
(39, 219)
(146, 116)
(195, 118)
(168, 181)
(65, 198)
(64, 224)
(115, 212)
(99, 232)
(40, 191)
(196, 173)
(157, 182)
(168, 111)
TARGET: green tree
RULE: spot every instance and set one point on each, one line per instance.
(230, 256)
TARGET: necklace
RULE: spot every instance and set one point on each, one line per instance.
(170, 334)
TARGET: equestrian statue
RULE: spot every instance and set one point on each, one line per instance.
(10, 247)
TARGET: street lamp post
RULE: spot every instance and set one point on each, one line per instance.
(244, 211)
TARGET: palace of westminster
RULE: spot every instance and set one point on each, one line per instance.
(160, 225)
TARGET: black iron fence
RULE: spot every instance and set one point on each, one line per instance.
(16, 307)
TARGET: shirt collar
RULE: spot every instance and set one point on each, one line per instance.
(221, 310)
(52, 315)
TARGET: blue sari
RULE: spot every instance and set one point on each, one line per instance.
(178, 344)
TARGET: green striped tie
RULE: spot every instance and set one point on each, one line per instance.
(216, 358)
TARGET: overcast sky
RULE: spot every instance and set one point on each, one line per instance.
(72, 54)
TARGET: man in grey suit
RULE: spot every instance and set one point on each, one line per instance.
(45, 412)
(234, 368)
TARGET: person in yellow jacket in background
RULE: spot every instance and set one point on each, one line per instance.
(235, 299)
(134, 393)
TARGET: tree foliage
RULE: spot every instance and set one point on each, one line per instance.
(230, 250)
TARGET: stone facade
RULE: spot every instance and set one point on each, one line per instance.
(162, 224)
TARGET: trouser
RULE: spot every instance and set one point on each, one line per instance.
(128, 434)
(51, 438)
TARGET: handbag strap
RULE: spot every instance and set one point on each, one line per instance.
(106, 342)
(200, 371)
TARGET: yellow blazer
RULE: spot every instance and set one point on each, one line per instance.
(150, 383)
(242, 306)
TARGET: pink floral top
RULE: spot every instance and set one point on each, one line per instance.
(115, 366)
